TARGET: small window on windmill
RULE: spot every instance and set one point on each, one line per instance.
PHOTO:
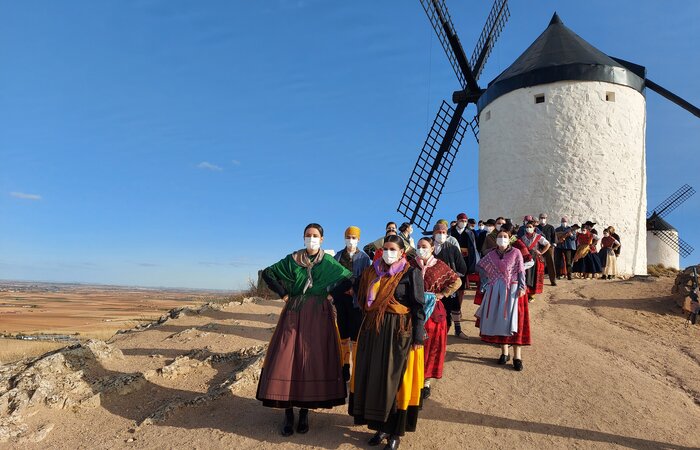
(487, 116)
(539, 98)
(609, 96)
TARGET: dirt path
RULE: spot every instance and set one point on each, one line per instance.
(611, 366)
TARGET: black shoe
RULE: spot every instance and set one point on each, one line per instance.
(503, 359)
(393, 443)
(346, 372)
(518, 364)
(377, 438)
(554, 282)
(426, 392)
(303, 425)
(569, 277)
(288, 428)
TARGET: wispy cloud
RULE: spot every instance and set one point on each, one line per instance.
(209, 166)
(235, 162)
(25, 196)
(230, 263)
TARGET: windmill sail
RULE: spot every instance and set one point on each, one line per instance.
(492, 30)
(673, 201)
(673, 97)
(433, 166)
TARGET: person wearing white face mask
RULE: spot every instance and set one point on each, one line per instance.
(490, 240)
(441, 282)
(503, 316)
(565, 249)
(537, 245)
(450, 255)
(346, 306)
(382, 396)
(304, 371)
(467, 245)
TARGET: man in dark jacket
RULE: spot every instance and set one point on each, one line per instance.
(548, 232)
(566, 246)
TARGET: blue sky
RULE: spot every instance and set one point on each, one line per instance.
(172, 143)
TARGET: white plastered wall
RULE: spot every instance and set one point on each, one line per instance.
(659, 252)
(576, 155)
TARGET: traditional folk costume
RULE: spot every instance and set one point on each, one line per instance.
(450, 255)
(303, 362)
(346, 306)
(586, 260)
(607, 256)
(386, 383)
(438, 278)
(503, 318)
(534, 276)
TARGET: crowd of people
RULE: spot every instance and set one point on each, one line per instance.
(373, 322)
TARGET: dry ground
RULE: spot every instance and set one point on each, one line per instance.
(612, 366)
(87, 311)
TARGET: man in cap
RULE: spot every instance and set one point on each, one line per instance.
(467, 246)
(349, 315)
(566, 247)
(547, 230)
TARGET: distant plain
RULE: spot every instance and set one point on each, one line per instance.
(81, 311)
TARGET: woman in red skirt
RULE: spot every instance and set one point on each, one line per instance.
(504, 316)
(441, 281)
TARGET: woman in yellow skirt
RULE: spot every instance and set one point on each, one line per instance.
(387, 377)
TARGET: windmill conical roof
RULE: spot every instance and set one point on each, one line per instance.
(559, 54)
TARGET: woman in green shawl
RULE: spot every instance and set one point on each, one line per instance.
(303, 365)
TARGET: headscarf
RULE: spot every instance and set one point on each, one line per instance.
(301, 257)
(424, 265)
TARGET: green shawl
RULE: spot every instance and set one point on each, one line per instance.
(326, 275)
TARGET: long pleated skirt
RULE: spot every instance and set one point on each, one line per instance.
(608, 261)
(534, 278)
(303, 362)
(588, 264)
(388, 376)
(435, 346)
(522, 335)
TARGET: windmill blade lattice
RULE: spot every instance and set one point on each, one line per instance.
(474, 125)
(672, 240)
(435, 10)
(432, 168)
(492, 30)
(674, 201)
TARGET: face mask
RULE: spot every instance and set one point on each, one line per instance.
(529, 230)
(481, 227)
(424, 253)
(351, 243)
(606, 234)
(461, 225)
(498, 226)
(502, 242)
(564, 224)
(543, 221)
(440, 238)
(312, 243)
(390, 256)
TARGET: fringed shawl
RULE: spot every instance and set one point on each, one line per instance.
(382, 283)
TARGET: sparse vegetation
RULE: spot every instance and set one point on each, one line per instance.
(15, 349)
(659, 270)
